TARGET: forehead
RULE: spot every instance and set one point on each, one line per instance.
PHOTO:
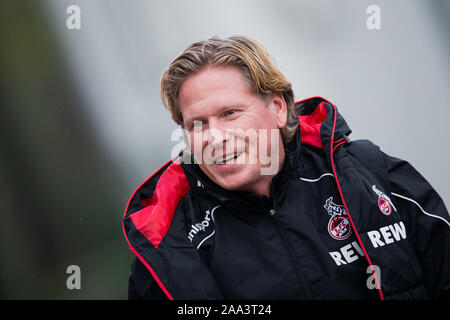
(214, 87)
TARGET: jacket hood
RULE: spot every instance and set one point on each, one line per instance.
(320, 123)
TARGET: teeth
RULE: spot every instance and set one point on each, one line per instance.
(231, 157)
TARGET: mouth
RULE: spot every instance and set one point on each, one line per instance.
(228, 159)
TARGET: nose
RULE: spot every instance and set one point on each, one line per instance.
(216, 134)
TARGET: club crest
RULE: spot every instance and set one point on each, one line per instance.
(339, 226)
(384, 202)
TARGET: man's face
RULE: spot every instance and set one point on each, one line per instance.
(232, 131)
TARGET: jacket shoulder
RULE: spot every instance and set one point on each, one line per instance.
(141, 284)
(367, 153)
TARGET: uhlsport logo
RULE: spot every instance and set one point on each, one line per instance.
(384, 202)
(339, 225)
(205, 228)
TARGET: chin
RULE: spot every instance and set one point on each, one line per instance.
(234, 182)
(230, 185)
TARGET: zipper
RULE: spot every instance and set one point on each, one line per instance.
(301, 279)
(380, 292)
(281, 230)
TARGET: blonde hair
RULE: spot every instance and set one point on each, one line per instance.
(239, 51)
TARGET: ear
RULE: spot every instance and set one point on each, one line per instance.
(280, 109)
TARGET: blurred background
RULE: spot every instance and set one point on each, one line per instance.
(82, 124)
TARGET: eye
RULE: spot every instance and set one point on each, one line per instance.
(196, 125)
(230, 112)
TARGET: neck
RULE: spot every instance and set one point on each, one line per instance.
(264, 185)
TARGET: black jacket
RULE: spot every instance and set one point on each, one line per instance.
(345, 221)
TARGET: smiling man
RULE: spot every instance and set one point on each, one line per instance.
(217, 104)
(271, 199)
